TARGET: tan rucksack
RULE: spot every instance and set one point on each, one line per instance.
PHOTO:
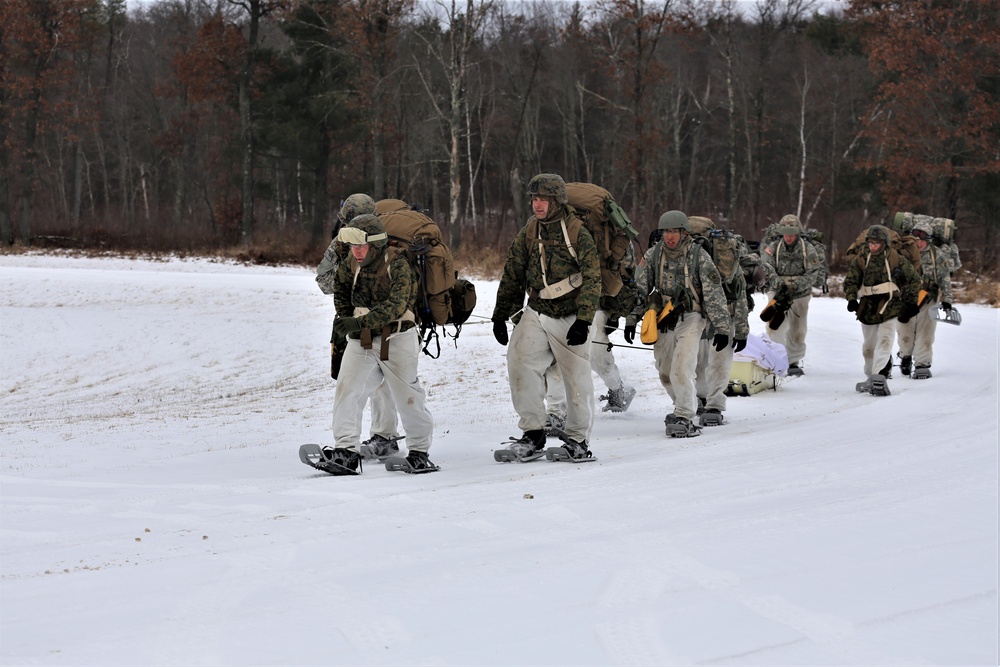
(442, 298)
(612, 231)
(904, 244)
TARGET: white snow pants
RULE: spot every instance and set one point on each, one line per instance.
(916, 337)
(877, 345)
(713, 371)
(362, 372)
(536, 343)
(676, 356)
(602, 362)
(384, 420)
(792, 332)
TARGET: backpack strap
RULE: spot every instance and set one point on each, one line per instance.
(888, 287)
(566, 284)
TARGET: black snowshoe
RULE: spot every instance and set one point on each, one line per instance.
(529, 447)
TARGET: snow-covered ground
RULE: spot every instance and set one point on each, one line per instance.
(155, 512)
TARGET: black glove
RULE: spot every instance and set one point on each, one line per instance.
(852, 306)
(500, 332)
(945, 305)
(343, 326)
(739, 344)
(629, 333)
(578, 333)
(720, 341)
(611, 327)
(908, 312)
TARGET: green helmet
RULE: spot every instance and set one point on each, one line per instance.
(790, 225)
(878, 233)
(548, 185)
(355, 205)
(365, 228)
(674, 220)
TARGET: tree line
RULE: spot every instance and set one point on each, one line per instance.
(183, 124)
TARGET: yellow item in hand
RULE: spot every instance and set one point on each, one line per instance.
(648, 333)
(921, 296)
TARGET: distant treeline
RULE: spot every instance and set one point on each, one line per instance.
(199, 124)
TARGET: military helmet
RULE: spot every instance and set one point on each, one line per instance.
(790, 225)
(674, 220)
(923, 230)
(355, 205)
(548, 185)
(878, 233)
(365, 228)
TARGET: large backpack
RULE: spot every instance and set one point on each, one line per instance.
(442, 298)
(904, 244)
(612, 231)
(945, 233)
(724, 251)
(815, 238)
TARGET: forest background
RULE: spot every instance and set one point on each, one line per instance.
(236, 127)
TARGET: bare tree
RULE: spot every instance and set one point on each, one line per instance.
(452, 55)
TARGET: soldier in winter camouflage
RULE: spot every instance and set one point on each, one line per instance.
(798, 268)
(916, 337)
(714, 366)
(555, 259)
(678, 272)
(374, 293)
(384, 422)
(881, 286)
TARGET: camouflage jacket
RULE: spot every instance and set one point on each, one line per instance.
(326, 272)
(798, 265)
(387, 287)
(522, 272)
(739, 310)
(699, 291)
(867, 272)
(935, 265)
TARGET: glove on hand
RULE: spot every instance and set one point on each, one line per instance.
(578, 333)
(945, 305)
(610, 327)
(720, 341)
(739, 344)
(629, 333)
(852, 306)
(500, 332)
(908, 312)
(343, 326)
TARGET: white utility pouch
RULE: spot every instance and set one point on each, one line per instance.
(564, 286)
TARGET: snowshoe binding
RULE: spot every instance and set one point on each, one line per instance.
(794, 370)
(875, 385)
(331, 460)
(414, 463)
(571, 451)
(886, 371)
(618, 400)
(681, 427)
(379, 447)
(879, 385)
(529, 447)
(921, 373)
(711, 417)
